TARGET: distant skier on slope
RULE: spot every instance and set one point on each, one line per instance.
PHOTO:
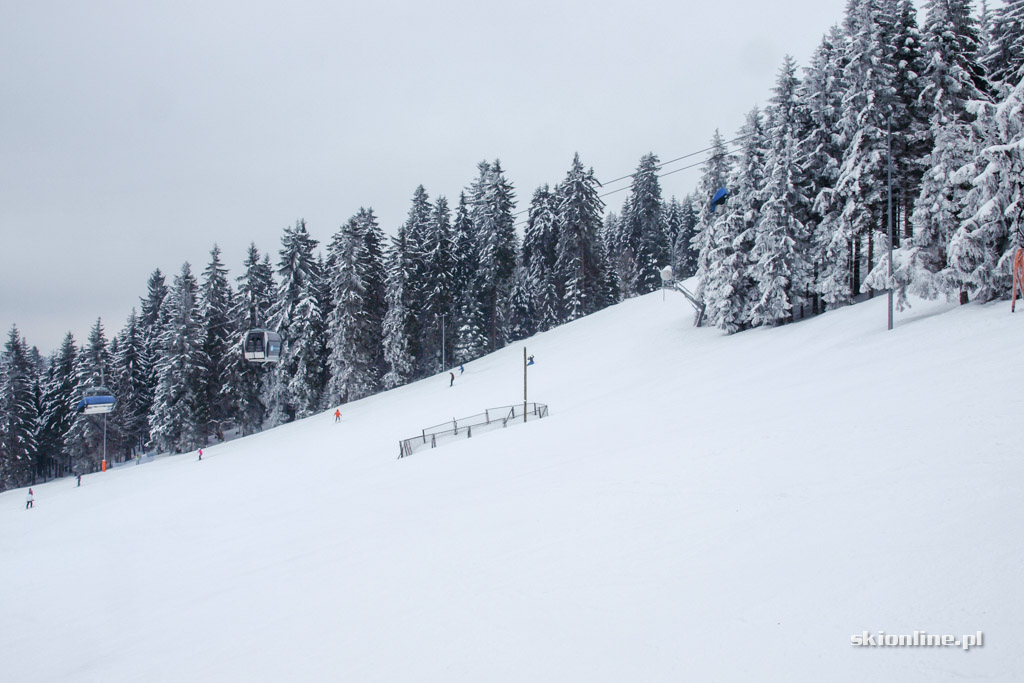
(29, 502)
(453, 379)
(337, 415)
(530, 359)
(462, 369)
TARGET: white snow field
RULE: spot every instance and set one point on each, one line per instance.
(696, 508)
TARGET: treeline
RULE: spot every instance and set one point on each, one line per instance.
(806, 226)
(364, 314)
(804, 230)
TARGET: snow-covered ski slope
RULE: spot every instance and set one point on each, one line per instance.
(697, 507)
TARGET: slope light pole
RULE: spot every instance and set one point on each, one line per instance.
(888, 129)
(524, 384)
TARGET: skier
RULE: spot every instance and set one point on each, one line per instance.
(530, 359)
(337, 415)
(29, 501)
(79, 479)
(461, 369)
(200, 453)
(453, 379)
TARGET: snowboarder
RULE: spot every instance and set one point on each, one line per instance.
(30, 500)
(337, 415)
(453, 379)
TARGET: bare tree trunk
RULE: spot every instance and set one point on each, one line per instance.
(854, 267)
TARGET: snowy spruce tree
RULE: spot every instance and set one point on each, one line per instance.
(92, 371)
(617, 263)
(412, 240)
(464, 263)
(56, 417)
(781, 270)
(684, 256)
(729, 290)
(18, 413)
(288, 390)
(715, 175)
(221, 391)
(952, 77)
(539, 253)
(256, 291)
(153, 321)
(399, 323)
(374, 277)
(520, 307)
(1004, 59)
(493, 201)
(438, 290)
(579, 269)
(822, 149)
(472, 341)
(643, 229)
(175, 421)
(911, 140)
(131, 368)
(982, 246)
(472, 323)
(308, 383)
(868, 101)
(357, 316)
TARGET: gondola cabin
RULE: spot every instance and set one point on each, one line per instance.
(95, 401)
(262, 346)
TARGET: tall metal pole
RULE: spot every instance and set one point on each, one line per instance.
(524, 384)
(444, 357)
(103, 381)
(888, 128)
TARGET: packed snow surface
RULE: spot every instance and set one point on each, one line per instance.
(696, 507)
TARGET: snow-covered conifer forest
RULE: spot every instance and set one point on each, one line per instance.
(803, 232)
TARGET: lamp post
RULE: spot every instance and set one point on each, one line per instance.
(888, 129)
(103, 382)
(524, 384)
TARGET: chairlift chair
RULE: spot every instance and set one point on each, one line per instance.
(96, 400)
(262, 346)
(719, 199)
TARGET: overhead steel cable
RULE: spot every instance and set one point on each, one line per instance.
(660, 166)
(672, 161)
(660, 175)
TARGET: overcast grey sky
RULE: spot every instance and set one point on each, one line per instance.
(135, 135)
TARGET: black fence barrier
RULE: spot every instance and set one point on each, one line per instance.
(492, 418)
